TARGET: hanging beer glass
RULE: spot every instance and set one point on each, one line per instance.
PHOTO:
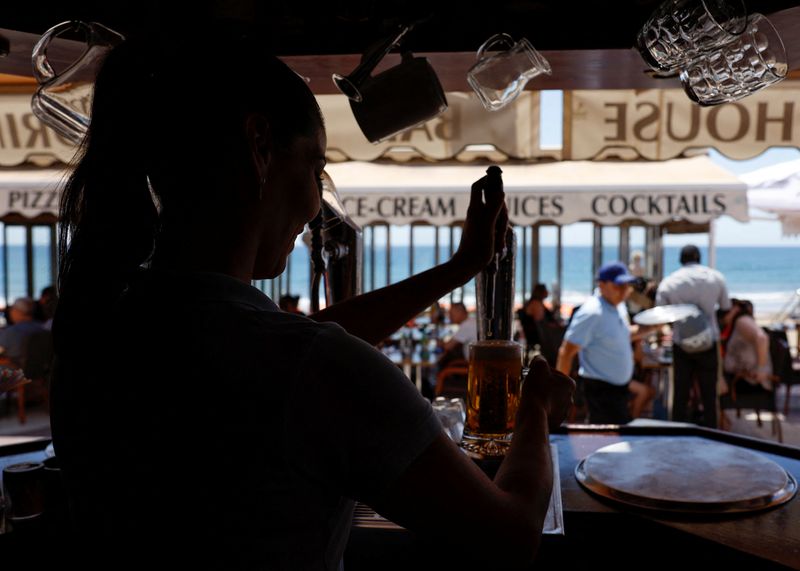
(64, 100)
(498, 77)
(754, 61)
(680, 30)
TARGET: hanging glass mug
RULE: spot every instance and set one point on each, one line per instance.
(680, 30)
(498, 79)
(64, 100)
(755, 61)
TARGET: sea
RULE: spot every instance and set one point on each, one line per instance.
(767, 276)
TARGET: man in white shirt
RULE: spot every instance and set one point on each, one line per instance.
(458, 346)
(705, 288)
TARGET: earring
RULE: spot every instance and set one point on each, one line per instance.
(261, 188)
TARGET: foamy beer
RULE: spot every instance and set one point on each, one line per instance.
(493, 388)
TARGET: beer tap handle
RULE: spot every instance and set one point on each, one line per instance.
(494, 183)
(317, 260)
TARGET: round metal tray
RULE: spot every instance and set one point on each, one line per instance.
(686, 475)
(663, 314)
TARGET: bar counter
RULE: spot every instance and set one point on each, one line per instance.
(598, 533)
(769, 537)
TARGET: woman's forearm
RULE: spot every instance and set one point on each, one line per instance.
(526, 474)
(375, 315)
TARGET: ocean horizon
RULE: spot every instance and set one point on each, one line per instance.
(767, 276)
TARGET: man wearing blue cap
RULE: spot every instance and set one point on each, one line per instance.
(600, 335)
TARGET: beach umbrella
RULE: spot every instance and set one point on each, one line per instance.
(776, 189)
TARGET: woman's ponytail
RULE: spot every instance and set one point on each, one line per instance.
(108, 218)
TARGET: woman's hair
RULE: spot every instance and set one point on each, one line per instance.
(745, 309)
(745, 306)
(168, 125)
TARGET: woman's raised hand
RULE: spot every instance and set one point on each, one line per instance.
(484, 227)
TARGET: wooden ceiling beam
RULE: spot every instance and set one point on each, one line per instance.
(572, 69)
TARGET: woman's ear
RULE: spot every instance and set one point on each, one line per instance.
(259, 140)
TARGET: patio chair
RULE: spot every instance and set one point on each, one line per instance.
(789, 373)
(741, 394)
(793, 378)
(451, 381)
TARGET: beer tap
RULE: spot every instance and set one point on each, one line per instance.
(494, 183)
(495, 283)
(336, 249)
(317, 260)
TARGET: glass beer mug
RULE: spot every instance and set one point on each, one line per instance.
(493, 391)
(498, 79)
(64, 100)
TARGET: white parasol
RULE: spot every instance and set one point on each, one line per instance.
(776, 189)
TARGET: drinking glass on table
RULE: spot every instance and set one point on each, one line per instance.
(680, 30)
(754, 61)
(493, 391)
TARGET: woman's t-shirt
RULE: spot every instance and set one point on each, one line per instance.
(209, 414)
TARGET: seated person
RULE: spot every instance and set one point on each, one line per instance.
(636, 267)
(643, 296)
(747, 348)
(289, 304)
(436, 315)
(46, 306)
(641, 395)
(457, 347)
(13, 338)
(541, 326)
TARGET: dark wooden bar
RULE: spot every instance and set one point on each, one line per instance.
(599, 533)
(602, 535)
(772, 536)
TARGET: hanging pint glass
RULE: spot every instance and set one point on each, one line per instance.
(493, 389)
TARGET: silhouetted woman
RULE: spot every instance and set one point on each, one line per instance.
(197, 425)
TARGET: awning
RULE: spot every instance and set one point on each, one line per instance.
(776, 189)
(654, 193)
(30, 192)
(510, 132)
(652, 124)
(694, 190)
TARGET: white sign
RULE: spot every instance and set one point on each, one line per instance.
(659, 124)
(530, 207)
(30, 192)
(694, 190)
(23, 137)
